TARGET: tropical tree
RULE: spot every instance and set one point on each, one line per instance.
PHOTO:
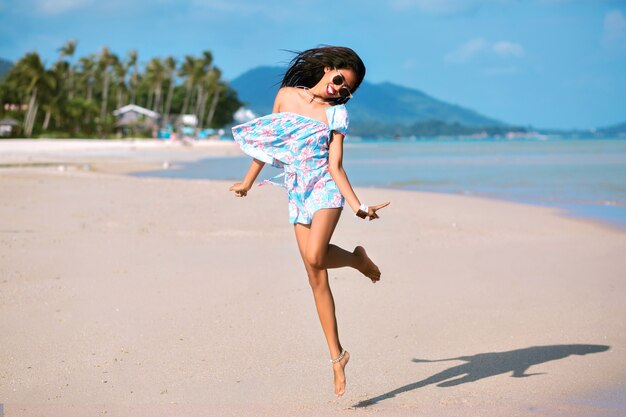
(68, 50)
(188, 70)
(217, 88)
(106, 61)
(155, 75)
(203, 79)
(170, 66)
(87, 75)
(54, 92)
(76, 98)
(120, 71)
(29, 77)
(131, 63)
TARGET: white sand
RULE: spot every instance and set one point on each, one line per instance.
(123, 296)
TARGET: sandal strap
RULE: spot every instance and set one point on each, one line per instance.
(338, 358)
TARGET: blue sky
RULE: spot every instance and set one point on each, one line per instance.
(545, 63)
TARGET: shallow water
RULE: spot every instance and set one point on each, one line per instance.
(586, 177)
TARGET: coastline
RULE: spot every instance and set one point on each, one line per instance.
(603, 204)
(142, 293)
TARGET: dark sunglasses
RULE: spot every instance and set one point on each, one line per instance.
(344, 91)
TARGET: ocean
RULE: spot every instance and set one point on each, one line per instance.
(584, 177)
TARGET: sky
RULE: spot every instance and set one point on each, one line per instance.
(541, 63)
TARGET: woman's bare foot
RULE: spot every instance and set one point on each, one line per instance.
(340, 375)
(366, 265)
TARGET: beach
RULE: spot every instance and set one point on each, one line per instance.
(127, 296)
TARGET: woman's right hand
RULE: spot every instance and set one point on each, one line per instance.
(240, 189)
(371, 210)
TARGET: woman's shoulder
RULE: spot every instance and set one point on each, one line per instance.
(287, 92)
(284, 97)
(338, 118)
(338, 110)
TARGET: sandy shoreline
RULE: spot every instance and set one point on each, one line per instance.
(156, 297)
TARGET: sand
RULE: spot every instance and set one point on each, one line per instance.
(125, 296)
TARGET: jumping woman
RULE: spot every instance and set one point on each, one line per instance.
(304, 135)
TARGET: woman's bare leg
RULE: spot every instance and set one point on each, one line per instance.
(357, 259)
(313, 244)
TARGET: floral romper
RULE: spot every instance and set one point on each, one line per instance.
(298, 144)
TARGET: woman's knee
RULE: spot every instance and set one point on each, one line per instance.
(315, 260)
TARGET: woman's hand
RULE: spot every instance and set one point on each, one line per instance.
(371, 210)
(240, 189)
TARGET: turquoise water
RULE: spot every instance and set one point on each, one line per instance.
(586, 177)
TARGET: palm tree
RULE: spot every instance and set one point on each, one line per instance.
(29, 77)
(155, 75)
(170, 65)
(187, 70)
(132, 63)
(88, 66)
(120, 69)
(54, 92)
(68, 50)
(202, 80)
(217, 89)
(107, 59)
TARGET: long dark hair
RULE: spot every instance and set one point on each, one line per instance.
(307, 67)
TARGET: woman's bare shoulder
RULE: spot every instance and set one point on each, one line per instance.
(287, 93)
(285, 97)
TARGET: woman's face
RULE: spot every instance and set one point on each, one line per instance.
(337, 83)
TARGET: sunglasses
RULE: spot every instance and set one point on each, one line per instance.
(344, 91)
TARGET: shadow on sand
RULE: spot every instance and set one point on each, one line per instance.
(484, 365)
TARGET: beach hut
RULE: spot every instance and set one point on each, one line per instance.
(8, 126)
(136, 120)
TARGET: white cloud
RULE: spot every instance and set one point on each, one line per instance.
(614, 34)
(467, 51)
(480, 46)
(508, 49)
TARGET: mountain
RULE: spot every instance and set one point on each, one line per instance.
(4, 66)
(257, 88)
(618, 130)
(405, 106)
(383, 105)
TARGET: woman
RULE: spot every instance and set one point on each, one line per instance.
(304, 136)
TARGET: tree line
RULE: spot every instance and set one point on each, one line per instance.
(75, 97)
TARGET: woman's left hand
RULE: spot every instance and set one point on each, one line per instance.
(240, 189)
(371, 210)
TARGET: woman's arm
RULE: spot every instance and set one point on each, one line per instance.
(241, 188)
(335, 167)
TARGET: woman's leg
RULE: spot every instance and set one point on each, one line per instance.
(357, 259)
(313, 243)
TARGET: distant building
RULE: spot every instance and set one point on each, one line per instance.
(136, 120)
(7, 126)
